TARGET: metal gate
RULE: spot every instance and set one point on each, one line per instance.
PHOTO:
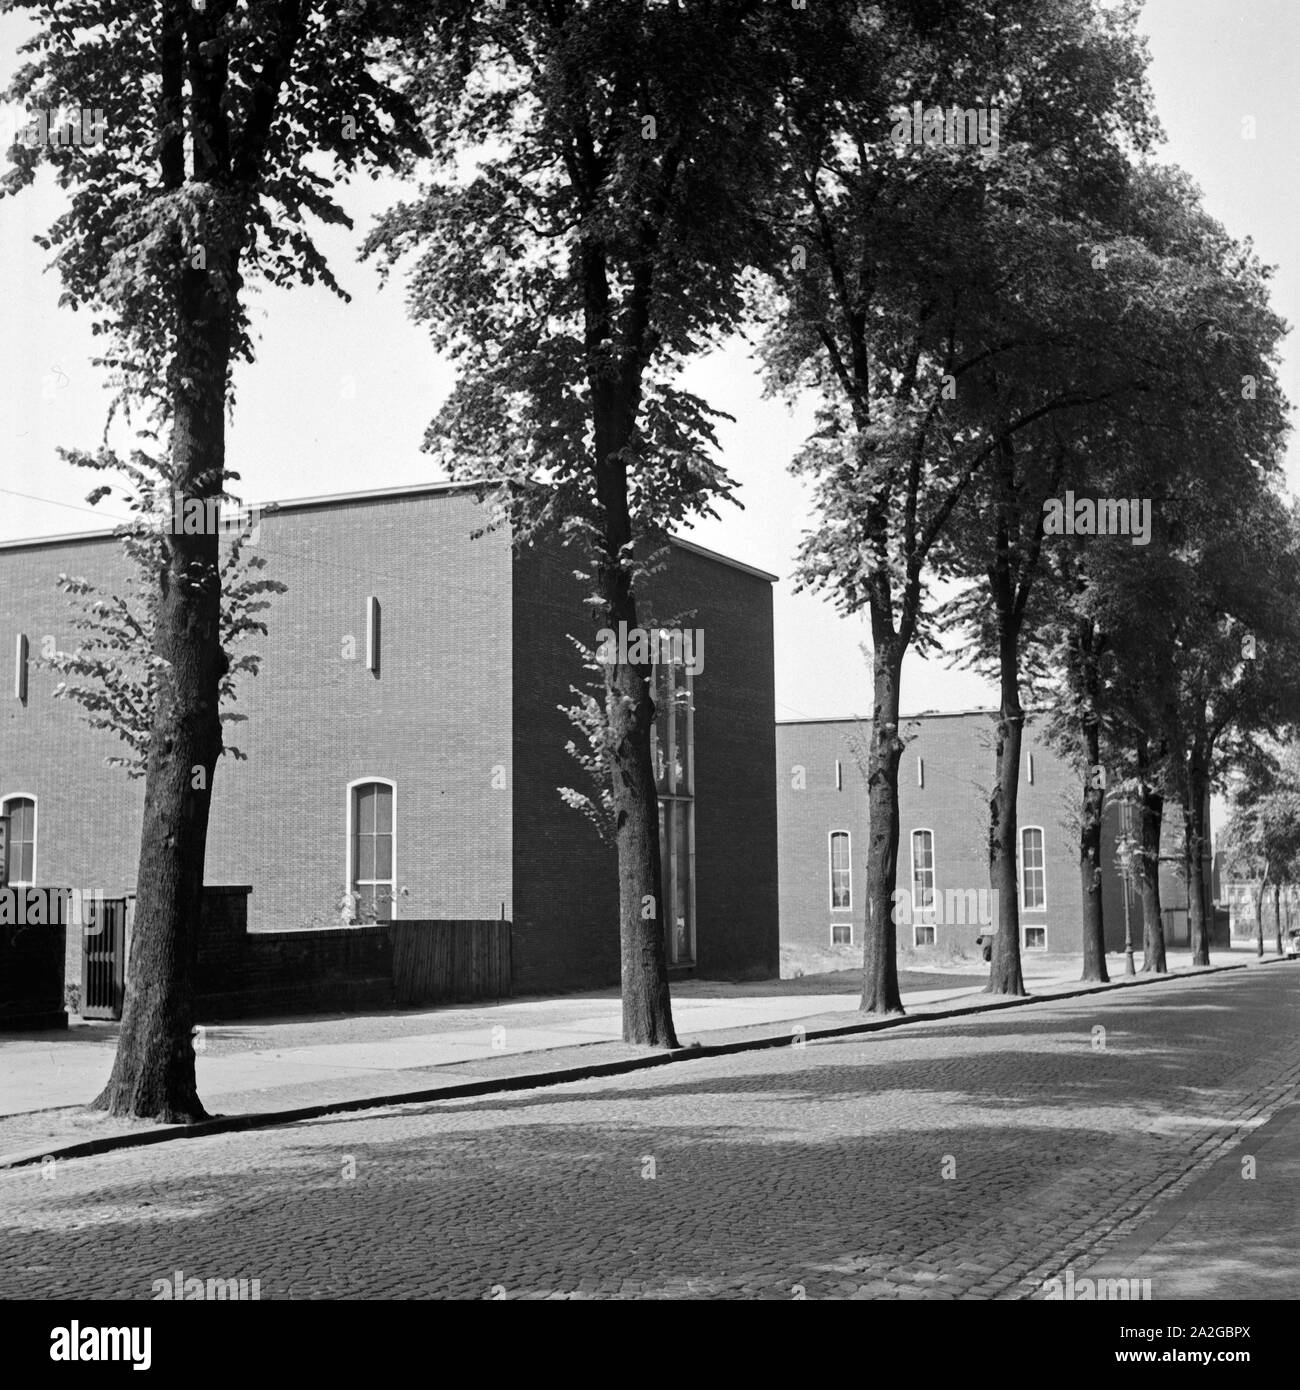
(103, 958)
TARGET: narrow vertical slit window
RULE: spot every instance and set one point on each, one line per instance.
(372, 634)
(20, 668)
(672, 742)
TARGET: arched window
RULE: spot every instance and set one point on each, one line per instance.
(21, 811)
(923, 871)
(372, 849)
(841, 872)
(1033, 870)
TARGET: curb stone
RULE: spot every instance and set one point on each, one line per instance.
(528, 1081)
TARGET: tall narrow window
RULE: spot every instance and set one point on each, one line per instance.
(1033, 871)
(841, 872)
(372, 634)
(21, 811)
(922, 870)
(371, 851)
(20, 668)
(672, 746)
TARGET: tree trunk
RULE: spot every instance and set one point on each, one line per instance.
(1277, 915)
(153, 1073)
(1193, 850)
(630, 712)
(1259, 917)
(1152, 809)
(1004, 973)
(1094, 795)
(643, 914)
(880, 945)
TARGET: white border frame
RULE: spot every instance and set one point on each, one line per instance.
(1020, 864)
(36, 833)
(347, 881)
(830, 869)
(932, 912)
(848, 923)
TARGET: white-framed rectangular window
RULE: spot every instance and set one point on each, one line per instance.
(1033, 870)
(372, 849)
(21, 810)
(922, 871)
(1035, 938)
(841, 872)
(841, 933)
(923, 933)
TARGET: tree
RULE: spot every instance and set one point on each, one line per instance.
(915, 266)
(615, 185)
(1262, 838)
(212, 114)
(1140, 630)
(113, 672)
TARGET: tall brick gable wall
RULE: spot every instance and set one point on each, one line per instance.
(566, 913)
(434, 721)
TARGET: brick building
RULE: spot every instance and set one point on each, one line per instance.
(944, 782)
(405, 743)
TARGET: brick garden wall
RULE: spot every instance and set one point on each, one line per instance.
(239, 974)
(31, 977)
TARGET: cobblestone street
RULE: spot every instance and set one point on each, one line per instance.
(975, 1157)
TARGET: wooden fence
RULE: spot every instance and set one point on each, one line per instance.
(440, 961)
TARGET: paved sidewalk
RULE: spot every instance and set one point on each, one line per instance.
(255, 1068)
(1233, 1233)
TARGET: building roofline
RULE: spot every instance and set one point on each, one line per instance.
(723, 559)
(337, 499)
(920, 714)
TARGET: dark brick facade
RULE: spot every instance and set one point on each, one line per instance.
(461, 717)
(566, 900)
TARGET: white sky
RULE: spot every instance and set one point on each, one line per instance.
(341, 393)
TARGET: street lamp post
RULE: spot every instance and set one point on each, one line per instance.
(1125, 867)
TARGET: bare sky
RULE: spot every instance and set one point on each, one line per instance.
(341, 393)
